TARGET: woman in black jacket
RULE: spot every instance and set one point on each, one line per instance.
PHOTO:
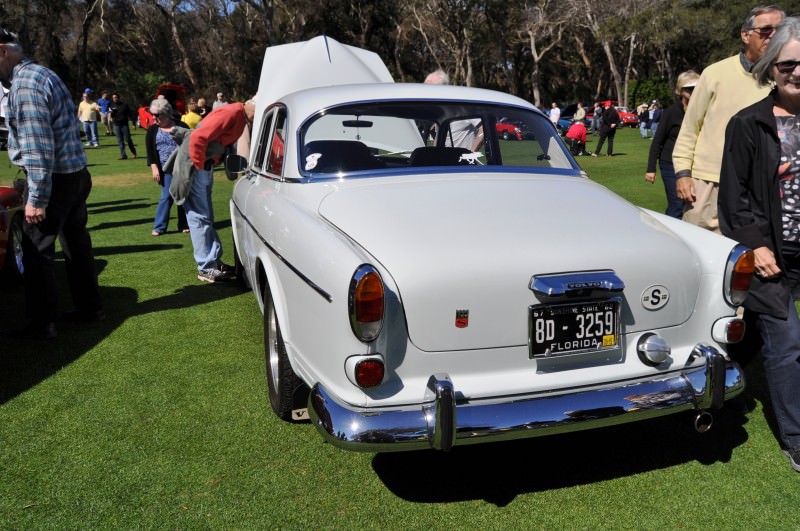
(160, 146)
(759, 206)
(664, 141)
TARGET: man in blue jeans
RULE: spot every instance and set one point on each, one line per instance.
(222, 126)
(105, 114)
(121, 114)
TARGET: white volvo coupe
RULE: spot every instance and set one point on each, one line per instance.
(425, 283)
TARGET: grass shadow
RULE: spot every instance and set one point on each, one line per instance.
(25, 363)
(124, 223)
(499, 472)
(95, 210)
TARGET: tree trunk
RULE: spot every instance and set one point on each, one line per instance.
(83, 50)
(624, 101)
(176, 37)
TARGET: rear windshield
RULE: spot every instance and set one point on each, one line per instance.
(409, 135)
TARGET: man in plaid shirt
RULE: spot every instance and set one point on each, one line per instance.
(44, 141)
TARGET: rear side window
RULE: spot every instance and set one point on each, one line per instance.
(277, 144)
(263, 141)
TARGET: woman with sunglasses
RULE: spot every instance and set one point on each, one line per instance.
(160, 146)
(664, 141)
(759, 206)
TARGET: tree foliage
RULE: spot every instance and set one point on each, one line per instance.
(541, 50)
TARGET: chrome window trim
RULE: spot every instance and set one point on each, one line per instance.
(434, 170)
(267, 122)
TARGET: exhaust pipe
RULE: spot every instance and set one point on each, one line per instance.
(703, 421)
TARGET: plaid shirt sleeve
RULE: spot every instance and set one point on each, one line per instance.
(43, 138)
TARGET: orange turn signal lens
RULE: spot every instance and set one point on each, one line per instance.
(743, 272)
(739, 274)
(366, 303)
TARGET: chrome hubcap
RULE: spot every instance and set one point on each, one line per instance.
(272, 345)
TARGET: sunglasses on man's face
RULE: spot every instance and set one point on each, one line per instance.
(764, 32)
(786, 67)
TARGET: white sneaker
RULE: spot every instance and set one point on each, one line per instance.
(212, 275)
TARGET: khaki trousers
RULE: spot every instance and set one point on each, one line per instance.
(703, 212)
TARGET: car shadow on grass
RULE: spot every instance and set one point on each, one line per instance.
(26, 363)
(499, 472)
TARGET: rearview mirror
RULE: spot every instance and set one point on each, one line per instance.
(235, 166)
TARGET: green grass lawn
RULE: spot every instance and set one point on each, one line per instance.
(157, 417)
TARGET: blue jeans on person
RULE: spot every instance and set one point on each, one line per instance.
(643, 129)
(200, 216)
(164, 205)
(674, 204)
(654, 128)
(781, 354)
(90, 130)
(124, 135)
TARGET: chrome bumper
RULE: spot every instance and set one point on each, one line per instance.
(441, 423)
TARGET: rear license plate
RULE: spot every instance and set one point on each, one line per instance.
(557, 330)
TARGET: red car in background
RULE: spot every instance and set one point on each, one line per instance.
(508, 130)
(11, 212)
(626, 117)
(176, 96)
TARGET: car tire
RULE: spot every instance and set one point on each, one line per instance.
(506, 136)
(13, 267)
(286, 391)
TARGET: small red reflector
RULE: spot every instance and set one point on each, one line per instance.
(369, 373)
(734, 332)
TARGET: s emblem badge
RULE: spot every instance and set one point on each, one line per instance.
(462, 318)
(655, 297)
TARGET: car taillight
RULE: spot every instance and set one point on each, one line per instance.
(728, 330)
(365, 301)
(739, 274)
(369, 373)
(735, 330)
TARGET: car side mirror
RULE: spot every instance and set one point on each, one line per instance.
(235, 166)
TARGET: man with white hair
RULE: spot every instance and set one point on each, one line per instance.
(725, 88)
(44, 142)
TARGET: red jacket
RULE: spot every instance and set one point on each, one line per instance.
(577, 131)
(224, 124)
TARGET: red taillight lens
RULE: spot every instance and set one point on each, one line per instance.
(369, 373)
(366, 300)
(739, 274)
(734, 332)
